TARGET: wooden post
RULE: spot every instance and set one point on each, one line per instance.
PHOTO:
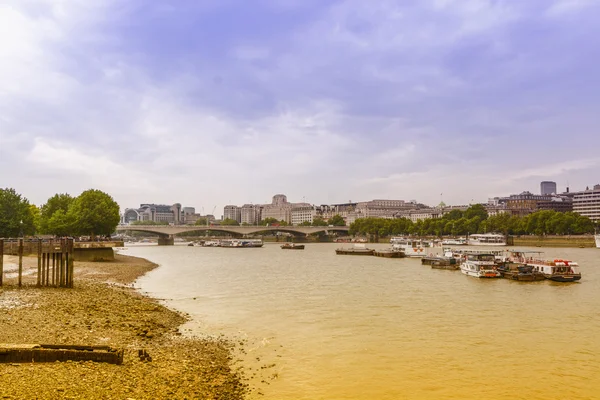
(20, 262)
(43, 268)
(39, 257)
(1, 260)
(71, 262)
(61, 280)
(53, 266)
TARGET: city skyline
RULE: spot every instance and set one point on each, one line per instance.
(217, 103)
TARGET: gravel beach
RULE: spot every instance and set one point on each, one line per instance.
(103, 309)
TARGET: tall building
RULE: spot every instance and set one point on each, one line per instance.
(587, 203)
(303, 213)
(154, 212)
(232, 212)
(250, 214)
(547, 187)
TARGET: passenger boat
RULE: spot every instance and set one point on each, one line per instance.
(454, 242)
(210, 243)
(487, 239)
(389, 253)
(292, 246)
(357, 250)
(252, 243)
(557, 270)
(410, 247)
(480, 265)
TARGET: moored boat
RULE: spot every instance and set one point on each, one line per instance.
(454, 242)
(292, 246)
(597, 238)
(520, 272)
(557, 270)
(389, 253)
(410, 247)
(357, 250)
(480, 265)
(487, 239)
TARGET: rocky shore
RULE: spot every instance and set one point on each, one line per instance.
(103, 309)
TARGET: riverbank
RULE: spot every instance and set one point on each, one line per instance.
(103, 309)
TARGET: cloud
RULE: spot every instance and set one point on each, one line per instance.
(219, 102)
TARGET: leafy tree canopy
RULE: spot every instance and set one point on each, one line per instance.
(269, 221)
(16, 214)
(93, 212)
(318, 221)
(336, 220)
(58, 202)
(230, 222)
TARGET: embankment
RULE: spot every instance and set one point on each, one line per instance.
(552, 241)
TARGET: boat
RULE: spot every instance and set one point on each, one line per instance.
(357, 250)
(210, 243)
(252, 243)
(454, 242)
(520, 272)
(389, 253)
(410, 247)
(480, 265)
(597, 238)
(487, 239)
(190, 244)
(230, 243)
(292, 246)
(446, 263)
(557, 270)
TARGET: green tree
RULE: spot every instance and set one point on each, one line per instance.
(93, 212)
(16, 215)
(58, 202)
(336, 220)
(305, 223)
(318, 221)
(202, 221)
(230, 222)
(476, 210)
(268, 221)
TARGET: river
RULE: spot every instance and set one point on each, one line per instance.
(321, 326)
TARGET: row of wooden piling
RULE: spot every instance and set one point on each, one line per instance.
(55, 262)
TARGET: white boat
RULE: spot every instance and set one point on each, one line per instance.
(210, 243)
(597, 237)
(487, 239)
(252, 243)
(454, 242)
(480, 266)
(410, 247)
(557, 270)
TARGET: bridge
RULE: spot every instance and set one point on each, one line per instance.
(166, 232)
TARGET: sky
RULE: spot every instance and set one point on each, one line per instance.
(215, 102)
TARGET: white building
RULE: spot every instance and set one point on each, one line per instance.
(303, 213)
(587, 203)
(250, 214)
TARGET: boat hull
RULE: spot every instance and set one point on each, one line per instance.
(483, 275)
(355, 252)
(389, 254)
(563, 278)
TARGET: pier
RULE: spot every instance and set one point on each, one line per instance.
(55, 260)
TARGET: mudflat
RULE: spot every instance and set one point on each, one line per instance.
(103, 309)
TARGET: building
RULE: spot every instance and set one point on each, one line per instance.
(556, 203)
(587, 203)
(547, 187)
(385, 208)
(525, 203)
(250, 214)
(232, 212)
(159, 213)
(303, 213)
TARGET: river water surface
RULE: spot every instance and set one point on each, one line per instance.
(322, 326)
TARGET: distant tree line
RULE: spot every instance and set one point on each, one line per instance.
(476, 220)
(91, 213)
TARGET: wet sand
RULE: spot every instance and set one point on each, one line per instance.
(103, 309)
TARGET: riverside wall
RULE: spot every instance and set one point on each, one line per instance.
(552, 241)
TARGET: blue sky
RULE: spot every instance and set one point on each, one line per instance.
(214, 102)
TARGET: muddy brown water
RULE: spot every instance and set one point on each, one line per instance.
(317, 325)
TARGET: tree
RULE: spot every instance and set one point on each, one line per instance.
(202, 221)
(93, 212)
(337, 220)
(476, 210)
(268, 221)
(230, 222)
(58, 202)
(318, 221)
(16, 215)
(305, 223)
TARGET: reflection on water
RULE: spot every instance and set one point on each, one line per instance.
(343, 327)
